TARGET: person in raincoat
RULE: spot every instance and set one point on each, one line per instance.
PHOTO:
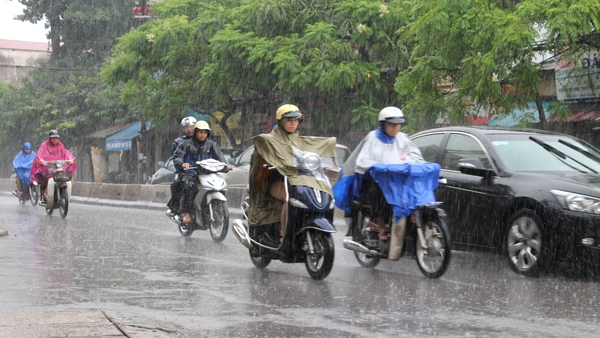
(22, 165)
(197, 148)
(187, 126)
(267, 189)
(50, 150)
(385, 145)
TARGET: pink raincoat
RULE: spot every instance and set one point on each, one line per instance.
(50, 152)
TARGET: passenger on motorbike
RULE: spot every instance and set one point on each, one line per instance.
(22, 165)
(187, 126)
(267, 189)
(50, 150)
(197, 148)
(387, 145)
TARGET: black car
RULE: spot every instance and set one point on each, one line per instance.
(531, 195)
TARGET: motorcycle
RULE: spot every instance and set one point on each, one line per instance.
(308, 228)
(58, 192)
(423, 234)
(31, 192)
(210, 205)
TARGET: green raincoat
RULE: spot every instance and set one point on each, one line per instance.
(275, 149)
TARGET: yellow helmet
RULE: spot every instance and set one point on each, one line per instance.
(288, 111)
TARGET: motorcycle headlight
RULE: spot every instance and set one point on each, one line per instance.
(311, 162)
(577, 202)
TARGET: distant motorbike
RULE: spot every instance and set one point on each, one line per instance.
(423, 234)
(59, 187)
(210, 205)
(30, 191)
(309, 226)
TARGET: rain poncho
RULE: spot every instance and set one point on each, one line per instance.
(50, 152)
(22, 164)
(397, 166)
(275, 149)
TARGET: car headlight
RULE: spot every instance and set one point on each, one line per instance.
(577, 202)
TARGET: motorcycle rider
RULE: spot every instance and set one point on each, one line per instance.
(50, 150)
(187, 126)
(197, 148)
(388, 145)
(22, 165)
(268, 196)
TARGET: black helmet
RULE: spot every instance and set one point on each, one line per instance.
(53, 133)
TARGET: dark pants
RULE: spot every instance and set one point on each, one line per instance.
(188, 192)
(373, 196)
(176, 188)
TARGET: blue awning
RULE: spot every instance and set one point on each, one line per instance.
(122, 139)
(529, 113)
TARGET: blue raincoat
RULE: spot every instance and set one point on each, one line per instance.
(397, 166)
(22, 164)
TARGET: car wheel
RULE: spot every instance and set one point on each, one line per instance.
(525, 244)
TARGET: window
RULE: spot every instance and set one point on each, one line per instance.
(430, 146)
(463, 146)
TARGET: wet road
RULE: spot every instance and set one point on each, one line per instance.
(133, 265)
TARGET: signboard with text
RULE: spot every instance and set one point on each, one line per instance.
(578, 81)
(114, 145)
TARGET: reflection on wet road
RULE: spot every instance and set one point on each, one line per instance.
(134, 265)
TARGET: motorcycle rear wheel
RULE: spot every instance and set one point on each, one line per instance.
(63, 202)
(33, 194)
(219, 227)
(185, 229)
(320, 263)
(366, 261)
(434, 260)
(22, 199)
(259, 261)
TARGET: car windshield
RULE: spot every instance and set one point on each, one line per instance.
(545, 153)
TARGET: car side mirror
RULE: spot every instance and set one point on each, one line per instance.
(231, 160)
(474, 166)
(161, 164)
(235, 153)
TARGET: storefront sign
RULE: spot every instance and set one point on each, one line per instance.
(578, 81)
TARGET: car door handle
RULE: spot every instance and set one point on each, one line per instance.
(443, 181)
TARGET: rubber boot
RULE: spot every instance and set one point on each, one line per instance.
(397, 239)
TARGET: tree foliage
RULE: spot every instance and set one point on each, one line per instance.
(469, 44)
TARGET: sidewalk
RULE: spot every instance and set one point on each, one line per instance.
(68, 323)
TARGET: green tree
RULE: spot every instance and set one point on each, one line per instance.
(466, 45)
(81, 30)
(330, 57)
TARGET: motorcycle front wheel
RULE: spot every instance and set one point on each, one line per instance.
(63, 202)
(319, 263)
(433, 260)
(33, 194)
(220, 225)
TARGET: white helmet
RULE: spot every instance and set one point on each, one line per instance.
(392, 115)
(188, 121)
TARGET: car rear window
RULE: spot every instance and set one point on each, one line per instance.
(550, 153)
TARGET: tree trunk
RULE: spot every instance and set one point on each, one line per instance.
(542, 114)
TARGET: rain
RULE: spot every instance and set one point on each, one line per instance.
(116, 78)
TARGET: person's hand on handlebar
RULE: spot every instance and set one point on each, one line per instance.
(185, 166)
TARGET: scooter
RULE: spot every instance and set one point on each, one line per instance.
(308, 229)
(422, 234)
(210, 205)
(58, 192)
(31, 192)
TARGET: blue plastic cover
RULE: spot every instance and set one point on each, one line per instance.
(405, 186)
